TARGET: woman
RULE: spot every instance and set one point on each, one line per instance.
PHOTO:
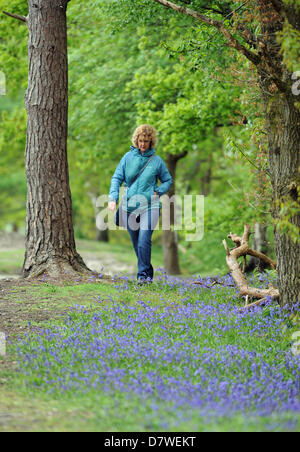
(141, 205)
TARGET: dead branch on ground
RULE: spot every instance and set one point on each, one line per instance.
(242, 248)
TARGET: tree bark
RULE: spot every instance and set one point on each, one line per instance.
(169, 237)
(283, 129)
(50, 244)
(284, 147)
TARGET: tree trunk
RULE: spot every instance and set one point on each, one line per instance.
(169, 237)
(50, 244)
(206, 177)
(102, 236)
(283, 128)
(284, 159)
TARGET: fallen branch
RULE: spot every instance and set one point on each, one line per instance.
(256, 303)
(242, 248)
(213, 284)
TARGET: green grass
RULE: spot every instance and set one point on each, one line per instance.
(11, 261)
(98, 412)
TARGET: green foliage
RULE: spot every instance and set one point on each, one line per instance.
(289, 210)
(13, 47)
(13, 63)
(184, 106)
(289, 40)
(12, 169)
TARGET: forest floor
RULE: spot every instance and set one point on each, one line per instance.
(170, 309)
(29, 302)
(15, 318)
(26, 305)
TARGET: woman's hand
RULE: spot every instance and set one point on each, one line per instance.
(112, 205)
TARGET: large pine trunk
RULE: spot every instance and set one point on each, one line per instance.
(50, 244)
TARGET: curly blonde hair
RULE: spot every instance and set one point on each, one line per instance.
(145, 130)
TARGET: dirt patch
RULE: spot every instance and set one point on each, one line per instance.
(17, 315)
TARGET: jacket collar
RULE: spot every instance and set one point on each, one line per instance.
(147, 153)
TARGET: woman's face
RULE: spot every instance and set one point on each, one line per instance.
(144, 143)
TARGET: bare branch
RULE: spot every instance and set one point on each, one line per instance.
(256, 303)
(235, 238)
(16, 16)
(231, 40)
(262, 257)
(226, 247)
(242, 248)
(246, 234)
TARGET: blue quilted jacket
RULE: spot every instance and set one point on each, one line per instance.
(146, 184)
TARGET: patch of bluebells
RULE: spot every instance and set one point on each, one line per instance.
(198, 353)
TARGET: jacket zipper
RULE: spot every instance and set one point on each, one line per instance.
(138, 182)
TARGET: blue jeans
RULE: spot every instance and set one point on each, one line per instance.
(140, 234)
